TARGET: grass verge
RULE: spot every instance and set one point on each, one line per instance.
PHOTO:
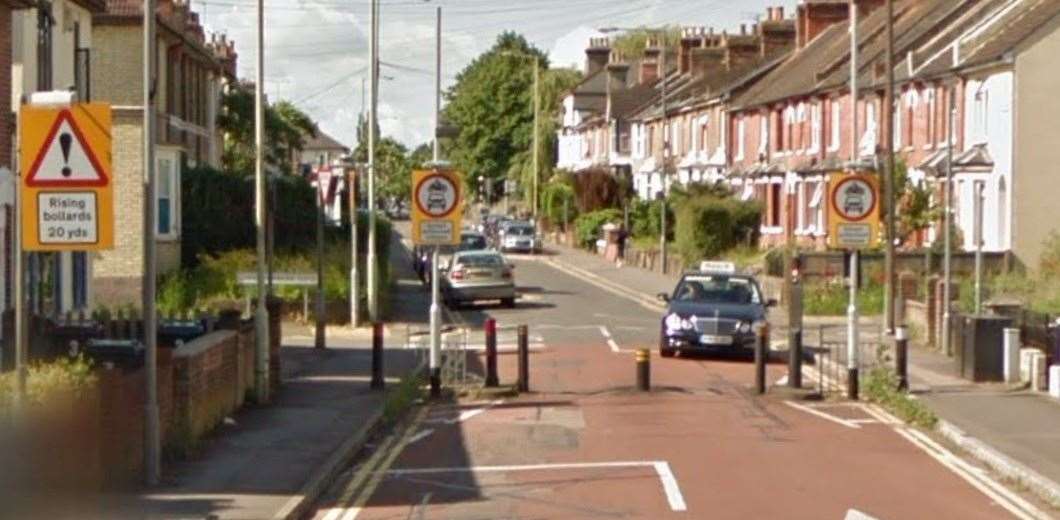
(881, 387)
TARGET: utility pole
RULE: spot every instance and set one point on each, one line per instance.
(666, 150)
(152, 440)
(373, 289)
(537, 102)
(261, 316)
(435, 317)
(852, 308)
(351, 186)
(320, 329)
(889, 180)
(947, 225)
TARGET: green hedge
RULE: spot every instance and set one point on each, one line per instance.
(706, 226)
(218, 213)
(587, 226)
(645, 221)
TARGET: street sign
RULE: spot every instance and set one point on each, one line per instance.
(437, 207)
(854, 211)
(66, 187)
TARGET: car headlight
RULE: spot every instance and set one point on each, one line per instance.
(745, 327)
(673, 322)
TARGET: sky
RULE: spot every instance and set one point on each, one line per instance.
(316, 51)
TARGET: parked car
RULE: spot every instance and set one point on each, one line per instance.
(479, 275)
(520, 236)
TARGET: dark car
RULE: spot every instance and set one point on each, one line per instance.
(712, 311)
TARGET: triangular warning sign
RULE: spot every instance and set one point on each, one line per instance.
(65, 160)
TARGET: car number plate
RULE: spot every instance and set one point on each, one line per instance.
(715, 340)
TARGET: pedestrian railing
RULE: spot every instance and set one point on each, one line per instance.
(831, 355)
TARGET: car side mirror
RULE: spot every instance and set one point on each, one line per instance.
(663, 297)
(772, 302)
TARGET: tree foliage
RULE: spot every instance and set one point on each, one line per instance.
(632, 43)
(285, 129)
(393, 165)
(492, 105)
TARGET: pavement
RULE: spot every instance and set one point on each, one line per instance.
(271, 461)
(584, 443)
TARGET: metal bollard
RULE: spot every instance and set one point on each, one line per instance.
(901, 356)
(795, 358)
(378, 382)
(760, 359)
(491, 353)
(644, 370)
(524, 360)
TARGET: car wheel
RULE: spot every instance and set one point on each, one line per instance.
(664, 349)
(508, 302)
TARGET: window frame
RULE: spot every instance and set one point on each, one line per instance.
(173, 184)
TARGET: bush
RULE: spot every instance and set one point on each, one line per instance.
(645, 219)
(63, 377)
(554, 197)
(706, 226)
(598, 189)
(218, 213)
(587, 226)
(832, 299)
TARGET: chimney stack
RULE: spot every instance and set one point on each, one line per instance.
(691, 38)
(597, 55)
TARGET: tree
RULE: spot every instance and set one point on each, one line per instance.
(285, 129)
(421, 156)
(491, 103)
(393, 168)
(632, 43)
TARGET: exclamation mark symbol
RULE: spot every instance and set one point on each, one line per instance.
(65, 140)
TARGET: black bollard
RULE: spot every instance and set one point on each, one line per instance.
(761, 352)
(644, 370)
(491, 353)
(901, 356)
(378, 382)
(524, 359)
(795, 358)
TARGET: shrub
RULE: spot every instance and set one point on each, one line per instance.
(554, 197)
(832, 299)
(587, 226)
(63, 377)
(644, 219)
(598, 189)
(706, 226)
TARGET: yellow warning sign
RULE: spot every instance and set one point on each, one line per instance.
(853, 211)
(437, 207)
(66, 183)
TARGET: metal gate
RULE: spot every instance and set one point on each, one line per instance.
(454, 353)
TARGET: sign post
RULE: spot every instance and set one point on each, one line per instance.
(436, 216)
(64, 200)
(854, 221)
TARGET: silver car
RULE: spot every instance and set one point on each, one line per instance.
(479, 275)
(520, 237)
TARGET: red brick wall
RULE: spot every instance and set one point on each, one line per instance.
(6, 118)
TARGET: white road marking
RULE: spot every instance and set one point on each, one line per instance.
(854, 514)
(611, 341)
(614, 346)
(351, 514)
(822, 415)
(662, 469)
(467, 414)
(782, 381)
(334, 513)
(670, 487)
(605, 332)
(1012, 502)
(420, 436)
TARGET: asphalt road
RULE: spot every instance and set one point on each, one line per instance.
(585, 444)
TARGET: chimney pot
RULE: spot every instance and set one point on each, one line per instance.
(779, 12)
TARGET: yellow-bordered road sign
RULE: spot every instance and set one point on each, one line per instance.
(853, 211)
(66, 183)
(437, 207)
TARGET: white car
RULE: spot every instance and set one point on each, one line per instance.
(520, 237)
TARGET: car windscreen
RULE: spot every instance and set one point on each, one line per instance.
(480, 261)
(717, 289)
(472, 242)
(521, 231)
